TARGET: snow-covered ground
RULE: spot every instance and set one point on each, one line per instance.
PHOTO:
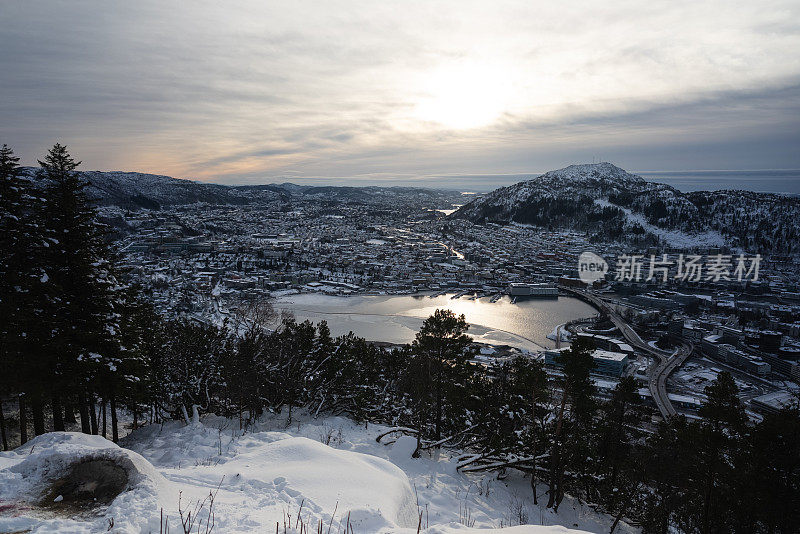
(329, 470)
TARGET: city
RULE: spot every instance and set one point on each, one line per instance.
(202, 260)
(419, 267)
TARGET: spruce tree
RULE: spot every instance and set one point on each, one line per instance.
(23, 288)
(83, 349)
(12, 243)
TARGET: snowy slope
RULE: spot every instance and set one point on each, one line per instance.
(328, 470)
(672, 238)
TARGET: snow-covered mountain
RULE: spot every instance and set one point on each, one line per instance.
(133, 190)
(612, 204)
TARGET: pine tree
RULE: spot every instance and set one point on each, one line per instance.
(245, 383)
(692, 468)
(617, 470)
(439, 372)
(532, 386)
(724, 422)
(666, 473)
(192, 368)
(512, 410)
(767, 471)
(573, 423)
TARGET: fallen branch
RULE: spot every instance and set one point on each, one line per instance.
(397, 429)
(448, 438)
(526, 461)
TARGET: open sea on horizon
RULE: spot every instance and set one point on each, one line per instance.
(768, 181)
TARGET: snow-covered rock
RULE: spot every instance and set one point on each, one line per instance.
(28, 475)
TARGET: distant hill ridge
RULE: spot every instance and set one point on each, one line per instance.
(135, 190)
(615, 205)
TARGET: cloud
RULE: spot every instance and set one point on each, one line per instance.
(252, 91)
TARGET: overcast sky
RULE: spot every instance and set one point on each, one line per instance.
(251, 92)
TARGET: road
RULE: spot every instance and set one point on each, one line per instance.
(667, 362)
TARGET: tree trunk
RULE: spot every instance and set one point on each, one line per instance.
(92, 414)
(69, 412)
(418, 451)
(560, 493)
(114, 425)
(3, 426)
(555, 457)
(23, 420)
(438, 386)
(83, 407)
(58, 413)
(708, 493)
(533, 450)
(627, 501)
(38, 415)
(103, 408)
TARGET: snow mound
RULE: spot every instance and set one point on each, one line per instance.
(295, 472)
(66, 480)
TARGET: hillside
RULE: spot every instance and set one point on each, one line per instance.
(614, 205)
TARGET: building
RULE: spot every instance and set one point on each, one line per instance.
(770, 341)
(779, 365)
(568, 281)
(710, 345)
(606, 363)
(609, 363)
(730, 335)
(532, 290)
(599, 341)
(654, 301)
(773, 402)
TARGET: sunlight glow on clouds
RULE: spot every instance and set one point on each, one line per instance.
(465, 94)
(255, 91)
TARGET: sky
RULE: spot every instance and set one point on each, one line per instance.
(430, 93)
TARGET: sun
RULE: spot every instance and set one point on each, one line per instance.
(464, 95)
